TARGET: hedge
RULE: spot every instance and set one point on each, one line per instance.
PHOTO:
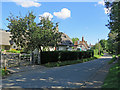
(54, 56)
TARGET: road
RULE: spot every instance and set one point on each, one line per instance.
(83, 75)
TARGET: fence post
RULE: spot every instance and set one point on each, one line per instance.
(4, 62)
(19, 58)
(30, 58)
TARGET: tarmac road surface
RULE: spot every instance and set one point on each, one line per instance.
(89, 74)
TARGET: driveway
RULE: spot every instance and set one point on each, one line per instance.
(83, 75)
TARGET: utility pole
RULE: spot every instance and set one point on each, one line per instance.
(99, 46)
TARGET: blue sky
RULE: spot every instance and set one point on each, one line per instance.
(78, 19)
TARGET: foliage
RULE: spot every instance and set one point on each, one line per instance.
(112, 60)
(114, 26)
(20, 27)
(29, 35)
(13, 51)
(45, 35)
(112, 79)
(75, 39)
(2, 49)
(4, 73)
(103, 43)
(97, 46)
(54, 56)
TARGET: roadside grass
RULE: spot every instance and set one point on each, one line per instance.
(63, 63)
(113, 59)
(112, 79)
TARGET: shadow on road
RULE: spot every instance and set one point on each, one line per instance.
(83, 75)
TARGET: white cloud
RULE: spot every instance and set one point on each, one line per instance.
(63, 14)
(101, 2)
(27, 3)
(107, 10)
(46, 15)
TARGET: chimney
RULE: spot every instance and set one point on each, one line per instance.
(82, 39)
(76, 43)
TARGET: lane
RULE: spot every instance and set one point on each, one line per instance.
(77, 75)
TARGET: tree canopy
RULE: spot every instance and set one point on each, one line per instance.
(114, 26)
(75, 39)
(29, 35)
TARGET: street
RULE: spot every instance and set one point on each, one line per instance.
(89, 74)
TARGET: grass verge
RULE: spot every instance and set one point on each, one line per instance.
(63, 63)
(112, 60)
(112, 79)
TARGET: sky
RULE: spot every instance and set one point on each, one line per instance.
(76, 19)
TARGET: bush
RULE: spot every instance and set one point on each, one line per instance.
(13, 51)
(55, 56)
(67, 55)
(49, 56)
(2, 49)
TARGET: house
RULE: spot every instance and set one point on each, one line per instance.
(82, 45)
(5, 41)
(66, 43)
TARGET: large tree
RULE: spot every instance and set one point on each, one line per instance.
(29, 35)
(114, 22)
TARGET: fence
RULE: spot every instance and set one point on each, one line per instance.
(11, 60)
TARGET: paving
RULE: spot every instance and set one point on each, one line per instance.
(89, 74)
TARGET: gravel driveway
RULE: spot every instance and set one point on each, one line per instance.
(83, 75)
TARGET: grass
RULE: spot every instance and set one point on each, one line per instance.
(112, 79)
(63, 63)
(112, 60)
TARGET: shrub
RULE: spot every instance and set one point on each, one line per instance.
(54, 56)
(13, 51)
(2, 49)
(67, 55)
(49, 56)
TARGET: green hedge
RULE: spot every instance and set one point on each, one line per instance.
(54, 56)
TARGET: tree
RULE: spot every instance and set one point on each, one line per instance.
(97, 45)
(103, 44)
(114, 22)
(21, 29)
(30, 36)
(75, 39)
